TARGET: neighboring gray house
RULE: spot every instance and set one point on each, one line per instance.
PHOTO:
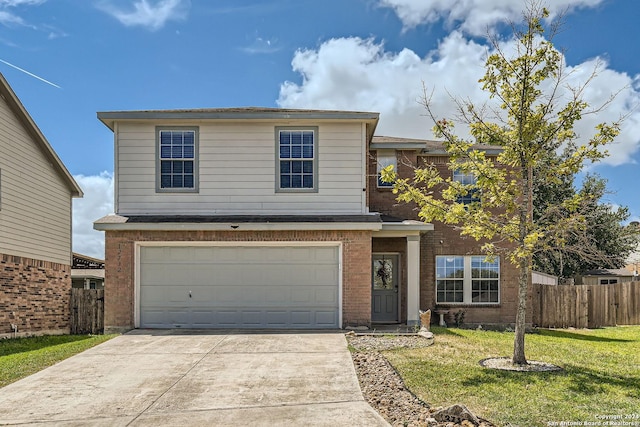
(605, 276)
(87, 272)
(36, 192)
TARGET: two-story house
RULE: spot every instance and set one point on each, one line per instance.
(36, 192)
(248, 217)
(271, 218)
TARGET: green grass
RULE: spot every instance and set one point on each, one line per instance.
(21, 357)
(601, 375)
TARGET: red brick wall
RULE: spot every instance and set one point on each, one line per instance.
(34, 295)
(444, 240)
(120, 270)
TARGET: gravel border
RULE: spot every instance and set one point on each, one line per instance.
(505, 364)
(382, 386)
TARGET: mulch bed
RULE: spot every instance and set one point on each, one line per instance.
(383, 388)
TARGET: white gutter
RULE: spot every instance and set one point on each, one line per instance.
(238, 226)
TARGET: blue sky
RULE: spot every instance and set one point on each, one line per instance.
(372, 55)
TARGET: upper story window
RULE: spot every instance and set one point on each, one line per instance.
(385, 158)
(177, 163)
(297, 165)
(470, 180)
(467, 280)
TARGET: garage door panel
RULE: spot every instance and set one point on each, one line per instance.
(300, 318)
(328, 296)
(326, 318)
(179, 317)
(302, 296)
(239, 287)
(156, 317)
(203, 253)
(325, 256)
(252, 318)
(157, 274)
(277, 318)
(323, 275)
(228, 318)
(161, 296)
(202, 318)
(163, 318)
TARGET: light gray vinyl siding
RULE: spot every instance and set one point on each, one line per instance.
(35, 215)
(237, 171)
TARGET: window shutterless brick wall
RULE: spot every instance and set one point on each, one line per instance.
(34, 296)
(443, 240)
(120, 268)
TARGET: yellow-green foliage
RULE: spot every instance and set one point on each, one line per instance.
(532, 123)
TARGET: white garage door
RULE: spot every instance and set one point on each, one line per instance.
(239, 287)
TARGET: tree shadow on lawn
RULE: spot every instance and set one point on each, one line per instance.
(581, 380)
(590, 381)
(583, 337)
(20, 345)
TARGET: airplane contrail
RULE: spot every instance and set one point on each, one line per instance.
(31, 74)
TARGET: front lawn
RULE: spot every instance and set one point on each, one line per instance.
(20, 357)
(600, 383)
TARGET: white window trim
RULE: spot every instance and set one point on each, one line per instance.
(316, 138)
(385, 158)
(196, 156)
(467, 283)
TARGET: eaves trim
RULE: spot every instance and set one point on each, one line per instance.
(239, 226)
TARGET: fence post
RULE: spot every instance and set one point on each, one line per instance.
(87, 311)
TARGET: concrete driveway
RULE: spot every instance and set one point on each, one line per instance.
(187, 378)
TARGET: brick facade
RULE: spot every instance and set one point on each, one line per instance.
(120, 267)
(34, 296)
(443, 240)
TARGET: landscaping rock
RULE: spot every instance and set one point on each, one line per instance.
(456, 414)
(383, 388)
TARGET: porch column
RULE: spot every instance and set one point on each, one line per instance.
(413, 280)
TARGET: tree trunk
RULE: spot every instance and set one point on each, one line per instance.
(519, 357)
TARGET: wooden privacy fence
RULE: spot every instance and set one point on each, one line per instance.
(87, 311)
(586, 306)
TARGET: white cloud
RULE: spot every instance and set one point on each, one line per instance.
(150, 14)
(13, 3)
(9, 19)
(358, 74)
(471, 16)
(96, 203)
(261, 46)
